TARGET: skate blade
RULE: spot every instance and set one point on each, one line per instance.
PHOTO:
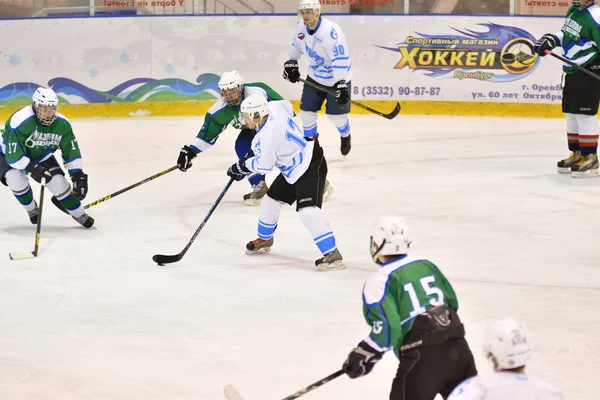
(264, 250)
(334, 266)
(252, 202)
(231, 393)
(586, 174)
(20, 255)
(328, 193)
(564, 170)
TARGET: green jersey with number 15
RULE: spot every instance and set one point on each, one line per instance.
(400, 291)
(25, 139)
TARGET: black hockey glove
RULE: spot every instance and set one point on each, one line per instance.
(361, 360)
(291, 71)
(341, 92)
(546, 42)
(186, 155)
(38, 172)
(238, 171)
(80, 184)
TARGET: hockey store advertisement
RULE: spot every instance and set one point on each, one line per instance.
(457, 59)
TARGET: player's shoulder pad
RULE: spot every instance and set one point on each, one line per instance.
(594, 12)
(21, 116)
(63, 118)
(256, 87)
(218, 106)
(332, 30)
(376, 287)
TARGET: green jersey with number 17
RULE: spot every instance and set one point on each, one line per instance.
(580, 36)
(25, 139)
(400, 291)
(221, 114)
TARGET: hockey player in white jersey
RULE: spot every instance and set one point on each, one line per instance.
(324, 44)
(280, 143)
(508, 347)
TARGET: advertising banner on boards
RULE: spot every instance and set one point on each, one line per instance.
(174, 59)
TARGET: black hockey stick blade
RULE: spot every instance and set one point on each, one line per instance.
(390, 115)
(572, 64)
(162, 259)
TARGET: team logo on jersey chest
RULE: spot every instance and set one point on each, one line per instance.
(38, 139)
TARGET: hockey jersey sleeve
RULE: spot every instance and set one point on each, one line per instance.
(470, 389)
(271, 94)
(338, 53)
(70, 151)
(16, 156)
(449, 293)
(383, 316)
(296, 51)
(215, 121)
(264, 159)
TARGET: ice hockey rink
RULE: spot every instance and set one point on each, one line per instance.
(94, 318)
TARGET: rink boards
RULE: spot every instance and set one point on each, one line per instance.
(170, 66)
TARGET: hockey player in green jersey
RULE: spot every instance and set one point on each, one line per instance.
(411, 307)
(580, 40)
(227, 111)
(30, 138)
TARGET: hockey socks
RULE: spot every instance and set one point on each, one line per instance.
(60, 188)
(314, 220)
(268, 218)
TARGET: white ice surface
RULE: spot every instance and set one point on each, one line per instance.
(94, 318)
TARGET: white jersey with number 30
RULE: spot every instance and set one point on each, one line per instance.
(504, 386)
(280, 143)
(326, 50)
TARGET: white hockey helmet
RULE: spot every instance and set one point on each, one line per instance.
(45, 105)
(310, 5)
(508, 343)
(254, 108)
(231, 86)
(390, 237)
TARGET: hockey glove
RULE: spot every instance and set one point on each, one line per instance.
(341, 92)
(291, 71)
(186, 155)
(361, 360)
(238, 171)
(38, 172)
(80, 184)
(546, 42)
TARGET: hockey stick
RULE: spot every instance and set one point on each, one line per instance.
(232, 394)
(391, 115)
(572, 64)
(110, 196)
(161, 259)
(26, 255)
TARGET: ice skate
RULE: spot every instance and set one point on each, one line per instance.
(85, 220)
(259, 246)
(328, 191)
(34, 214)
(345, 146)
(331, 262)
(564, 166)
(258, 192)
(587, 167)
